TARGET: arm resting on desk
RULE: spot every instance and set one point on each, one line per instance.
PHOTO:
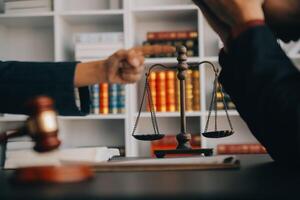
(264, 85)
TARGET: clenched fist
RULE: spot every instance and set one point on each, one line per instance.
(124, 66)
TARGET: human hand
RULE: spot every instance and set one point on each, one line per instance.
(236, 12)
(124, 66)
(222, 29)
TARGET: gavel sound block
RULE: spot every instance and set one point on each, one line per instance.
(42, 127)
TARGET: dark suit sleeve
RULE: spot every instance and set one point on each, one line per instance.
(20, 81)
(264, 84)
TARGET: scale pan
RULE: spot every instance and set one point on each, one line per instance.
(149, 137)
(218, 134)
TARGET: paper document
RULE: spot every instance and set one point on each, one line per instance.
(166, 164)
(26, 158)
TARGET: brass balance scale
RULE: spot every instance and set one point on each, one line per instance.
(183, 138)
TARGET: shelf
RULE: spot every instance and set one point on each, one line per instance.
(87, 5)
(223, 113)
(41, 14)
(27, 20)
(97, 17)
(94, 117)
(20, 118)
(171, 114)
(166, 8)
(213, 59)
(169, 60)
(93, 12)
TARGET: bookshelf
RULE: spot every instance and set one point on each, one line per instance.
(47, 36)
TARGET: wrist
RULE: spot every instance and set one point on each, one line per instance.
(102, 71)
(90, 73)
(236, 31)
(249, 13)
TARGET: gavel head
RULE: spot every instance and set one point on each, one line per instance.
(42, 125)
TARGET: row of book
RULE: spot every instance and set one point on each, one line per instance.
(175, 38)
(165, 91)
(241, 149)
(96, 46)
(27, 6)
(170, 142)
(107, 98)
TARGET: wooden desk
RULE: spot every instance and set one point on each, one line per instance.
(258, 177)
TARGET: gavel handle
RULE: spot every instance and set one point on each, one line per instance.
(4, 136)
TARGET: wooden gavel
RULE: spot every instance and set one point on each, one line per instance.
(41, 125)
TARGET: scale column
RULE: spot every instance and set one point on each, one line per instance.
(183, 137)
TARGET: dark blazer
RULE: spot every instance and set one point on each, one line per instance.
(265, 86)
(20, 81)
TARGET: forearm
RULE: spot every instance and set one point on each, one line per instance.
(90, 73)
(263, 83)
(20, 81)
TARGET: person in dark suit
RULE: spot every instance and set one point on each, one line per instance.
(262, 81)
(20, 81)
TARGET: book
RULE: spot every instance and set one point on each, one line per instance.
(152, 86)
(121, 98)
(172, 35)
(188, 91)
(241, 149)
(95, 100)
(196, 90)
(161, 91)
(104, 99)
(170, 90)
(113, 98)
(165, 90)
(30, 158)
(98, 46)
(177, 94)
(94, 54)
(174, 38)
(102, 37)
(94, 46)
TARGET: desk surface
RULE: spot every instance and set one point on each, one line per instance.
(258, 177)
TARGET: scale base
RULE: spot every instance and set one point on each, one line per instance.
(163, 153)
